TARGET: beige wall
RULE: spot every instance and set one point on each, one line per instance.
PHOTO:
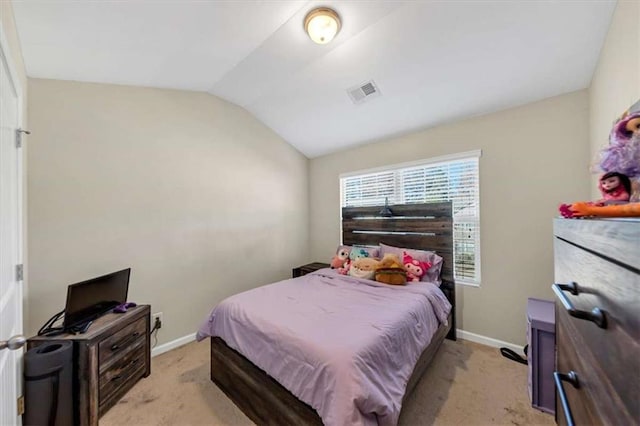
(193, 193)
(533, 158)
(616, 82)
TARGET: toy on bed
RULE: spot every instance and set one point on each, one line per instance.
(354, 254)
(357, 253)
(391, 271)
(363, 267)
(620, 162)
(415, 268)
(340, 258)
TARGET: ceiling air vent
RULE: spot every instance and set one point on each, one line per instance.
(363, 92)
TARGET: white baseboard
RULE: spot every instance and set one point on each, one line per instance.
(488, 341)
(466, 335)
(165, 347)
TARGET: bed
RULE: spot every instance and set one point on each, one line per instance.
(348, 373)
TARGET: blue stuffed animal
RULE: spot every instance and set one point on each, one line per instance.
(357, 253)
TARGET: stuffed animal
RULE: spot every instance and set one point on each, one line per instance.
(415, 268)
(390, 260)
(354, 254)
(615, 188)
(363, 267)
(358, 252)
(620, 161)
(623, 153)
(341, 256)
(590, 209)
(391, 271)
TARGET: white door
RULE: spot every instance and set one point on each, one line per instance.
(10, 241)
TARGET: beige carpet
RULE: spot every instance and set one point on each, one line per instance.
(467, 384)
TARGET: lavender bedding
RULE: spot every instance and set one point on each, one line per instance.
(345, 346)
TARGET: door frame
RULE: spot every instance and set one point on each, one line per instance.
(5, 55)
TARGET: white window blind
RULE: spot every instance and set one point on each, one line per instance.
(448, 180)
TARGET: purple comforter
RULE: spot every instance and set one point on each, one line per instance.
(345, 346)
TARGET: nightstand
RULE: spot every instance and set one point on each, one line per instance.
(541, 337)
(309, 267)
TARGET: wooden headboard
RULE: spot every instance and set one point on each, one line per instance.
(427, 226)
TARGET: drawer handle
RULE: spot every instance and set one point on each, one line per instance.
(572, 378)
(116, 346)
(119, 376)
(571, 288)
(596, 315)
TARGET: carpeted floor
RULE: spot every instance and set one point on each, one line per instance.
(467, 384)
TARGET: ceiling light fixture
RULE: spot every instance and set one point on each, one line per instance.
(322, 25)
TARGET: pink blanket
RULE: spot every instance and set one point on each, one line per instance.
(345, 346)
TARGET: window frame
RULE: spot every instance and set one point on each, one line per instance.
(474, 219)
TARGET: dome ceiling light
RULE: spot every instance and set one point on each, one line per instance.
(322, 25)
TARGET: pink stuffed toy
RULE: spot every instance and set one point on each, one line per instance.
(340, 258)
(415, 268)
(345, 269)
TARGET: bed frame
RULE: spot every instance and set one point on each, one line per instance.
(418, 226)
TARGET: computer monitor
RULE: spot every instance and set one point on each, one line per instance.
(89, 299)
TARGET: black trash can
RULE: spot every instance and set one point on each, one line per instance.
(48, 375)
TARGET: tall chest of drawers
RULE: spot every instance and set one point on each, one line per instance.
(597, 287)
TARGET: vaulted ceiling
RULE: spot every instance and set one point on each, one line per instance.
(432, 61)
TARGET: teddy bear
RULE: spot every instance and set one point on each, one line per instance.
(391, 271)
(415, 268)
(363, 267)
(341, 256)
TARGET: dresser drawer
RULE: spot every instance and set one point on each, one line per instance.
(581, 400)
(112, 346)
(616, 238)
(611, 288)
(595, 401)
(128, 367)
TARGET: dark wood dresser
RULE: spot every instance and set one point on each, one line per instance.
(108, 360)
(597, 287)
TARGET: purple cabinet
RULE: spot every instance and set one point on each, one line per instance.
(541, 337)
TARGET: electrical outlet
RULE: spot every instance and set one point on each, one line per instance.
(156, 319)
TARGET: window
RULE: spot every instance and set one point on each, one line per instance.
(451, 178)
